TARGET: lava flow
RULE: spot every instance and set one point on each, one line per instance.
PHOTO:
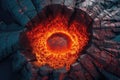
(57, 39)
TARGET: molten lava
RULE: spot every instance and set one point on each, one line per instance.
(59, 42)
(55, 43)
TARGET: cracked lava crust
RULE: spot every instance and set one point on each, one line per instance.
(57, 36)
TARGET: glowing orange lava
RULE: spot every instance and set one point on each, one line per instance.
(55, 43)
